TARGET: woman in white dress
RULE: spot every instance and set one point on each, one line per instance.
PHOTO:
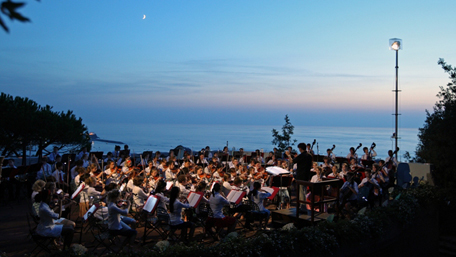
(51, 225)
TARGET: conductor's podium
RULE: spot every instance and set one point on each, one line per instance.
(316, 204)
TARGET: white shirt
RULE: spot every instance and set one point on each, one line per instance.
(371, 155)
(139, 196)
(58, 175)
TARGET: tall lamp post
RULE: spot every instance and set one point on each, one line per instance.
(396, 45)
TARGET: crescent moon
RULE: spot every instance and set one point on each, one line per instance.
(144, 16)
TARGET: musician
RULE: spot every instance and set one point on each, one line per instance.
(153, 178)
(116, 153)
(326, 163)
(354, 165)
(370, 183)
(112, 173)
(54, 154)
(169, 172)
(186, 164)
(175, 215)
(271, 160)
(304, 164)
(59, 176)
(277, 154)
(391, 161)
(217, 175)
(36, 188)
(258, 156)
(207, 153)
(50, 225)
(352, 154)
(257, 195)
(81, 154)
(77, 180)
(109, 157)
(233, 164)
(181, 184)
(345, 169)
(45, 171)
(159, 189)
(139, 195)
(216, 159)
(73, 172)
(331, 155)
(309, 149)
(238, 185)
(201, 161)
(350, 196)
(170, 156)
(226, 187)
(114, 218)
(318, 176)
(241, 155)
(85, 160)
(368, 155)
(217, 202)
(335, 173)
(87, 195)
(128, 167)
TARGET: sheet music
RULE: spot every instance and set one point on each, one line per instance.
(268, 189)
(234, 196)
(194, 198)
(152, 201)
(91, 211)
(78, 190)
(276, 170)
(169, 185)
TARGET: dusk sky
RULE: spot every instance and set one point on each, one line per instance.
(325, 63)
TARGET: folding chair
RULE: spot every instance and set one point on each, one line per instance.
(154, 222)
(43, 243)
(100, 232)
(257, 215)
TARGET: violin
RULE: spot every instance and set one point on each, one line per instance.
(122, 203)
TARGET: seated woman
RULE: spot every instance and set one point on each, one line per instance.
(50, 225)
(114, 218)
(175, 215)
(217, 202)
(257, 195)
(37, 187)
(161, 185)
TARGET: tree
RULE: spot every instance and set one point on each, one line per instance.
(9, 9)
(282, 141)
(25, 123)
(437, 138)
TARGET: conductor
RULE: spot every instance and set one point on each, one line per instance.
(304, 164)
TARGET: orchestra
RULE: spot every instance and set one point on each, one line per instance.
(214, 174)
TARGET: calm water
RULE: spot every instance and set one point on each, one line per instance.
(160, 137)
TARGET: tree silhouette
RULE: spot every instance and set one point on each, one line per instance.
(282, 141)
(437, 138)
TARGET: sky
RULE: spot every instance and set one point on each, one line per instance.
(324, 63)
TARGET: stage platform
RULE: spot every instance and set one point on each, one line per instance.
(285, 216)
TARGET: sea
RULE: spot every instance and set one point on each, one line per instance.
(164, 137)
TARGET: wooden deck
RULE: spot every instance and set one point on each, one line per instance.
(285, 216)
